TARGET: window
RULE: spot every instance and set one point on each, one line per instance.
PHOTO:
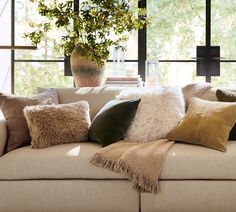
(224, 35)
(177, 28)
(5, 39)
(43, 67)
(174, 35)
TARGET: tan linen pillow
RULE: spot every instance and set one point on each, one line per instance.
(12, 107)
(58, 124)
(206, 123)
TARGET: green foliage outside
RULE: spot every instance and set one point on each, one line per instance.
(178, 26)
(38, 75)
(31, 75)
(95, 28)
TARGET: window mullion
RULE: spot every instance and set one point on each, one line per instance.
(142, 44)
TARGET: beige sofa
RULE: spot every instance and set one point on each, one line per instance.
(61, 179)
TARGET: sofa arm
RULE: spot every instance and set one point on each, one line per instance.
(3, 134)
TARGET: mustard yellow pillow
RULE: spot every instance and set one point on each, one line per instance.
(206, 123)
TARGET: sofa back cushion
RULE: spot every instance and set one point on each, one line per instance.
(200, 90)
(97, 97)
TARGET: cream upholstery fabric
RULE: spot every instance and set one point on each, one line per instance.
(97, 97)
(209, 94)
(3, 133)
(191, 196)
(186, 161)
(195, 90)
(68, 196)
(71, 161)
(66, 161)
(87, 194)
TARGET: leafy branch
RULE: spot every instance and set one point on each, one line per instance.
(95, 28)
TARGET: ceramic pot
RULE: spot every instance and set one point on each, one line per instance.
(85, 72)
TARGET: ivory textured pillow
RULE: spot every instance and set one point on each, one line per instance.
(58, 124)
(12, 107)
(206, 123)
(159, 111)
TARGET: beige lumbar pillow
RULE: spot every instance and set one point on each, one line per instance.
(206, 123)
(58, 124)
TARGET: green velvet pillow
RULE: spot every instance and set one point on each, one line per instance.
(112, 121)
(227, 96)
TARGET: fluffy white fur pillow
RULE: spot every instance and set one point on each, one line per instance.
(159, 111)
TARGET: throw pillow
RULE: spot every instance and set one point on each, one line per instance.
(111, 123)
(227, 96)
(206, 123)
(58, 124)
(159, 111)
(12, 107)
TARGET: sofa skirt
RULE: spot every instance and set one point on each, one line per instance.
(68, 196)
(192, 196)
(116, 196)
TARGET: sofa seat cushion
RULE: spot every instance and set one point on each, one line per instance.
(187, 161)
(71, 161)
(66, 161)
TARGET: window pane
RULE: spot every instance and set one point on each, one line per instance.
(177, 28)
(5, 71)
(224, 27)
(131, 52)
(5, 39)
(178, 74)
(26, 15)
(131, 68)
(228, 76)
(132, 47)
(30, 76)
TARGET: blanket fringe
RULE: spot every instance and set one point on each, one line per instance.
(100, 161)
(141, 182)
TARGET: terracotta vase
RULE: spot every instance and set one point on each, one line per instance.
(85, 72)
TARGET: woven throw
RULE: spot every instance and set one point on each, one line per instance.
(140, 162)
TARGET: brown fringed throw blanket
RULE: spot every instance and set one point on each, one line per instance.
(140, 162)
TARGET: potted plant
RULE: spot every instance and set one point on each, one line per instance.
(88, 34)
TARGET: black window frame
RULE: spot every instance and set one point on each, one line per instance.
(142, 44)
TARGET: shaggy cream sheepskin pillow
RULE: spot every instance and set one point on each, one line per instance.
(159, 111)
(58, 124)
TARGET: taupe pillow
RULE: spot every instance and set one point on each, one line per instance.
(227, 96)
(12, 107)
(206, 123)
(58, 124)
